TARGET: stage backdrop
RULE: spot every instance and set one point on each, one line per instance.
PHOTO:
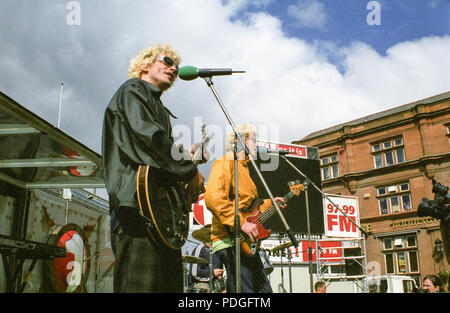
(277, 180)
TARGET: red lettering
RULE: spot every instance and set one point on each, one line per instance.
(345, 224)
(198, 211)
(331, 221)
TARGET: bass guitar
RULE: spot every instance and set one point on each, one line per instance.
(165, 204)
(254, 215)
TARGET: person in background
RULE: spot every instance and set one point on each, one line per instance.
(220, 200)
(320, 287)
(432, 284)
(199, 275)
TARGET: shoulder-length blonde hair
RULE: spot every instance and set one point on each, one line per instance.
(148, 55)
(246, 131)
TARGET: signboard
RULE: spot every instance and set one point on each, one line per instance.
(328, 251)
(336, 223)
(68, 274)
(294, 150)
(200, 215)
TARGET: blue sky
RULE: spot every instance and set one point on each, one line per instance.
(345, 21)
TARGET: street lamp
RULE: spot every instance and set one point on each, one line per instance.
(438, 251)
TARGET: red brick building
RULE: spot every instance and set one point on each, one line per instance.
(388, 161)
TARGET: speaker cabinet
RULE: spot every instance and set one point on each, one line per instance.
(353, 267)
(277, 179)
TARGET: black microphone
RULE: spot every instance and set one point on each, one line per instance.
(265, 150)
(191, 72)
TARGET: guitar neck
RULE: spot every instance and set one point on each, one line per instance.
(196, 156)
(196, 162)
(196, 159)
(288, 196)
(270, 211)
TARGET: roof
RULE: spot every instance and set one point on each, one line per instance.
(36, 154)
(378, 115)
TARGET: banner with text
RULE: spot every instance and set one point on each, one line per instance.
(327, 251)
(336, 223)
(200, 215)
(294, 150)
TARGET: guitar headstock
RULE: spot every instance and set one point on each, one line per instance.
(199, 153)
(296, 187)
(205, 134)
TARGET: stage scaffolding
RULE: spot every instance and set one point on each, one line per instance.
(352, 267)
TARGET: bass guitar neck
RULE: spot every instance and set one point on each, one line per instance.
(255, 216)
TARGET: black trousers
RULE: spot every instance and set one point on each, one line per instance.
(253, 276)
(140, 264)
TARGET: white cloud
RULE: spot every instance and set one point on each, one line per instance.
(308, 13)
(289, 82)
(410, 71)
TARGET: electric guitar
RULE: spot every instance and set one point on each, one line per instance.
(165, 204)
(254, 215)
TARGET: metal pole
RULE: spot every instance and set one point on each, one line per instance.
(290, 269)
(305, 184)
(210, 268)
(185, 278)
(366, 282)
(60, 104)
(237, 224)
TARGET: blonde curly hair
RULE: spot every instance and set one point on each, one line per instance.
(246, 131)
(148, 55)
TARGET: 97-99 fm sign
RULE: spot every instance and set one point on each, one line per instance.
(336, 223)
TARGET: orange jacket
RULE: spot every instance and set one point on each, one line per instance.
(219, 195)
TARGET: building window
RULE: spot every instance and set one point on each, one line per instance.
(401, 254)
(329, 167)
(447, 128)
(388, 152)
(413, 261)
(394, 198)
(389, 261)
(387, 243)
(384, 209)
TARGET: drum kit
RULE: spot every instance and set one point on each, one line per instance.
(281, 248)
(216, 285)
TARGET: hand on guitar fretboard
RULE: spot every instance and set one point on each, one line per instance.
(199, 153)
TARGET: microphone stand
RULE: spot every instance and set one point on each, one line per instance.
(210, 267)
(281, 285)
(237, 222)
(237, 234)
(289, 256)
(308, 181)
(306, 184)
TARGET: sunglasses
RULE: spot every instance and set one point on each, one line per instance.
(167, 61)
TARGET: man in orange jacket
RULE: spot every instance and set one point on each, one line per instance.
(219, 199)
